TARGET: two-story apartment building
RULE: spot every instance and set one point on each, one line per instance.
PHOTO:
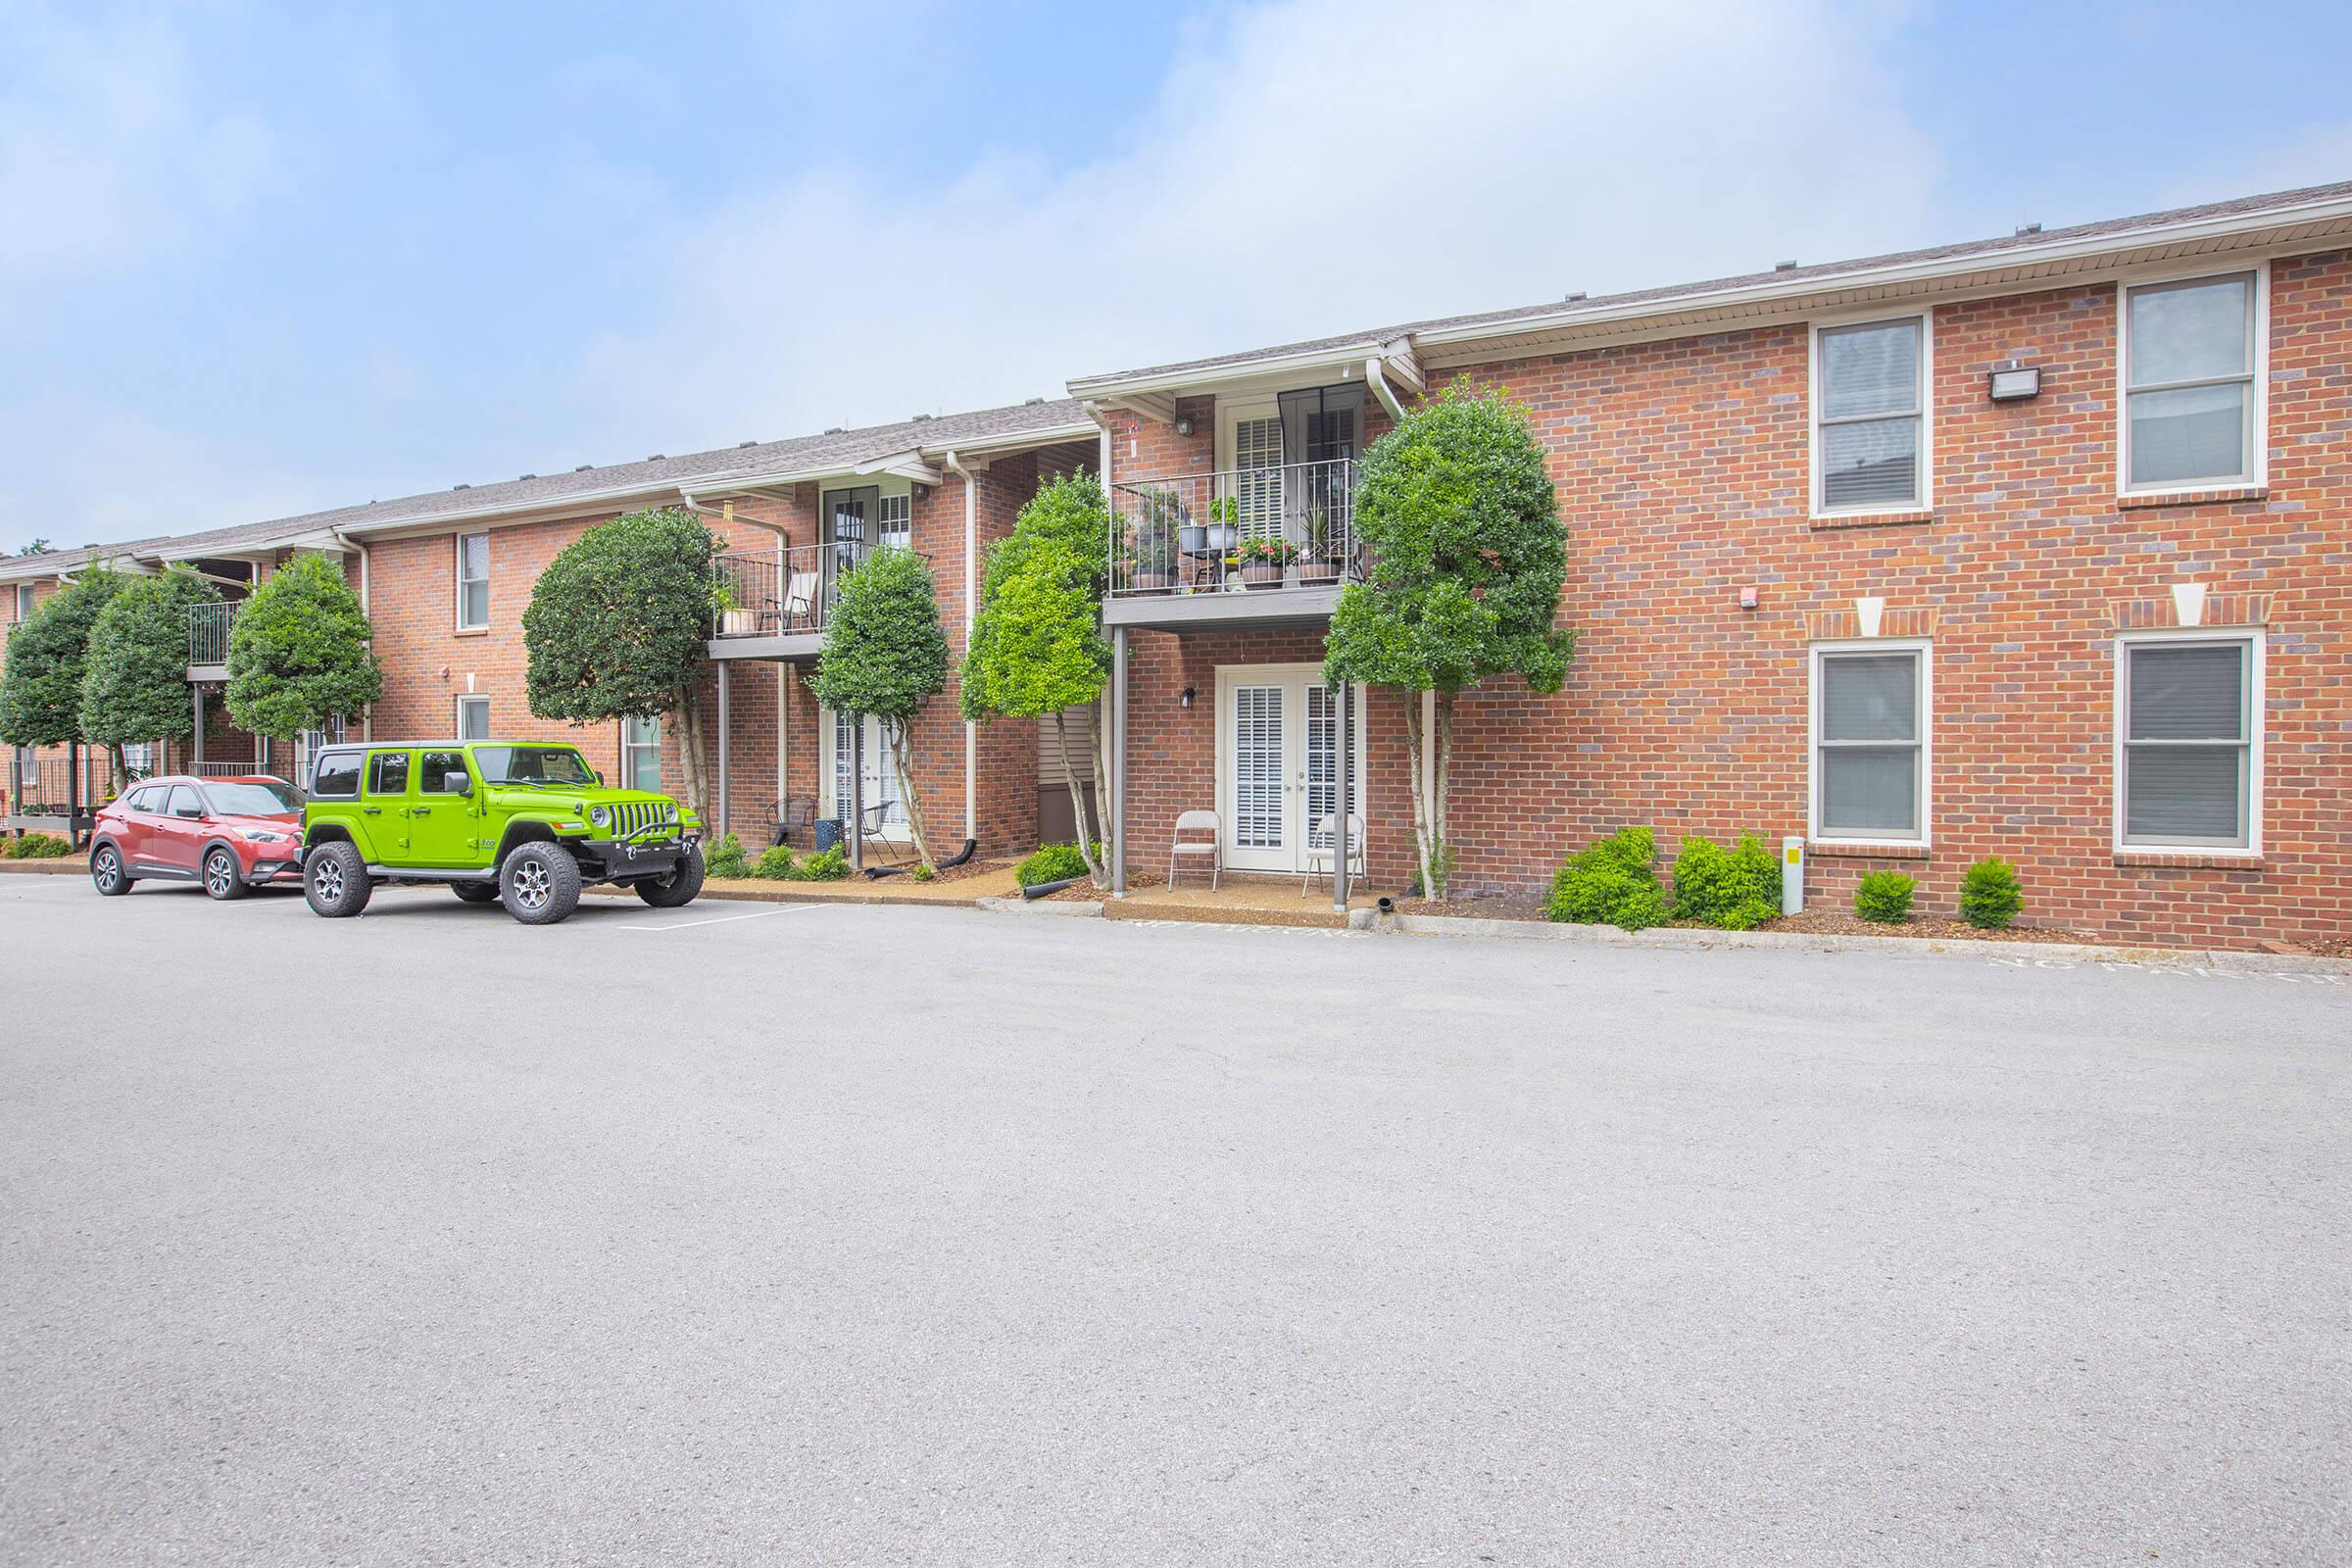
(2038, 547)
(446, 577)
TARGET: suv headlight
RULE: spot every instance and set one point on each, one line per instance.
(262, 835)
(601, 816)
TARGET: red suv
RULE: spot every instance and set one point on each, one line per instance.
(228, 833)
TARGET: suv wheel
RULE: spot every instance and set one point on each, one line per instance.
(223, 878)
(334, 879)
(106, 871)
(680, 887)
(539, 883)
(475, 892)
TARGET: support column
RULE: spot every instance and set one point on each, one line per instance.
(727, 819)
(196, 744)
(856, 813)
(783, 728)
(1118, 761)
(1343, 766)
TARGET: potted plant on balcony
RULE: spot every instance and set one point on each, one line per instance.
(1151, 558)
(1319, 564)
(733, 621)
(1264, 562)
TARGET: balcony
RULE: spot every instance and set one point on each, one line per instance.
(1267, 545)
(208, 640)
(775, 604)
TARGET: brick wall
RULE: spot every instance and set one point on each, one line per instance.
(1682, 469)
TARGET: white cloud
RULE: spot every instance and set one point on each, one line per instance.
(110, 150)
(1311, 166)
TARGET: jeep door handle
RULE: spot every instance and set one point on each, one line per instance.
(371, 811)
(420, 811)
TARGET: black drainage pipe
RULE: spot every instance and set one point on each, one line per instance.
(1041, 888)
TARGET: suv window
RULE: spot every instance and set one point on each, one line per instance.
(438, 765)
(338, 775)
(184, 802)
(147, 798)
(388, 774)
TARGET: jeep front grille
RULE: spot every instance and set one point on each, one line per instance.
(637, 816)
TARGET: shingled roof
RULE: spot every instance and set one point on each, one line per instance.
(834, 450)
(1604, 305)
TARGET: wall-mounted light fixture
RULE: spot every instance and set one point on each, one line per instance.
(1751, 596)
(1184, 427)
(2015, 381)
(1188, 697)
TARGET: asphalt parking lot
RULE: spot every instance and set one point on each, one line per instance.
(842, 1235)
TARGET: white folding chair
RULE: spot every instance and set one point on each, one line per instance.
(799, 599)
(1213, 847)
(1321, 855)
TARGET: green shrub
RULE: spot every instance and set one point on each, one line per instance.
(1610, 882)
(1883, 896)
(829, 866)
(776, 864)
(924, 873)
(38, 847)
(1053, 862)
(1988, 894)
(726, 857)
(1732, 890)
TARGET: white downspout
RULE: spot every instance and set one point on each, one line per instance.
(1379, 383)
(971, 612)
(368, 714)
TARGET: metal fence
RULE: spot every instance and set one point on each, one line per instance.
(43, 786)
(207, 632)
(1289, 525)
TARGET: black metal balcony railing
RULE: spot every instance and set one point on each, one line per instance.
(779, 593)
(43, 786)
(207, 632)
(1290, 525)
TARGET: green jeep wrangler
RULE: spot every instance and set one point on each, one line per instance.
(524, 823)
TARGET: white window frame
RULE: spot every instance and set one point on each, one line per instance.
(27, 599)
(1926, 500)
(459, 580)
(464, 698)
(1815, 656)
(2257, 663)
(2258, 459)
(629, 750)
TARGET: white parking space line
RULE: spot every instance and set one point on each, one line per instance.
(724, 919)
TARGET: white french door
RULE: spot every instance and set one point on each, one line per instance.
(1278, 763)
(881, 778)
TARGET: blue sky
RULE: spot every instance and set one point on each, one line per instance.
(266, 258)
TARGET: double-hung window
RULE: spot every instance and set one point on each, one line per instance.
(1870, 424)
(1870, 743)
(24, 599)
(2188, 741)
(641, 754)
(473, 581)
(2191, 358)
(473, 718)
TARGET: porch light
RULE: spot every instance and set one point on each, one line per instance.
(1188, 697)
(1184, 426)
(2014, 382)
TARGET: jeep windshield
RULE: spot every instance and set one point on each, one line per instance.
(558, 765)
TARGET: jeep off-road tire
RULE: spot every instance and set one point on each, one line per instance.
(679, 889)
(107, 871)
(475, 892)
(539, 883)
(224, 877)
(334, 880)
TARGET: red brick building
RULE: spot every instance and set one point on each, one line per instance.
(2038, 547)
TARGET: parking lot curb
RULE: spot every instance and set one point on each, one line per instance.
(1688, 941)
(63, 865)
(1085, 909)
(763, 896)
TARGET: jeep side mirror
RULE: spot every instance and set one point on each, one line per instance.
(598, 774)
(460, 782)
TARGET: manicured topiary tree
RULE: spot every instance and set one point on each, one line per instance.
(40, 691)
(134, 684)
(885, 653)
(619, 626)
(1457, 516)
(298, 653)
(1990, 897)
(1038, 648)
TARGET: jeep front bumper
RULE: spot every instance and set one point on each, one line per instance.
(615, 860)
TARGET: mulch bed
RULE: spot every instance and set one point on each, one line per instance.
(1830, 923)
(1481, 906)
(971, 868)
